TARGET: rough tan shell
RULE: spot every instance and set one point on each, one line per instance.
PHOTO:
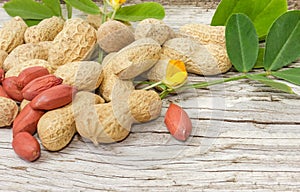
(99, 124)
(94, 20)
(84, 75)
(158, 71)
(56, 128)
(12, 34)
(109, 82)
(23, 104)
(113, 35)
(87, 98)
(3, 56)
(155, 29)
(8, 111)
(145, 105)
(26, 52)
(199, 59)
(135, 59)
(15, 71)
(46, 30)
(204, 34)
(75, 42)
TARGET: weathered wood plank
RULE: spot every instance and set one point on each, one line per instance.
(246, 137)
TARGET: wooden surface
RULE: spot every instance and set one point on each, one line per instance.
(246, 137)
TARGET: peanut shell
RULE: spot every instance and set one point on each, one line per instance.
(12, 34)
(16, 70)
(113, 35)
(199, 59)
(3, 56)
(145, 105)
(56, 128)
(46, 30)
(8, 111)
(204, 34)
(135, 59)
(24, 53)
(94, 20)
(84, 75)
(155, 29)
(75, 42)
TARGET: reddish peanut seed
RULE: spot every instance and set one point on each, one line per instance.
(27, 120)
(178, 122)
(11, 88)
(30, 74)
(54, 97)
(26, 146)
(40, 84)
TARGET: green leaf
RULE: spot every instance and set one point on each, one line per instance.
(290, 75)
(271, 83)
(282, 42)
(54, 5)
(32, 22)
(140, 12)
(27, 9)
(262, 12)
(241, 42)
(87, 6)
(69, 10)
(260, 59)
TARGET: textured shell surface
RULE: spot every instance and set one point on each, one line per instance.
(144, 105)
(26, 52)
(158, 71)
(84, 75)
(74, 43)
(136, 58)
(56, 128)
(46, 30)
(204, 34)
(8, 111)
(16, 70)
(153, 28)
(12, 34)
(113, 35)
(3, 56)
(99, 124)
(197, 58)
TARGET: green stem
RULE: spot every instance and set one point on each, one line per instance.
(114, 14)
(210, 83)
(100, 58)
(104, 15)
(69, 10)
(153, 85)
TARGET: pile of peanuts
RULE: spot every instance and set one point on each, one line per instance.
(48, 85)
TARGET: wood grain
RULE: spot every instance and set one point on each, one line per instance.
(246, 137)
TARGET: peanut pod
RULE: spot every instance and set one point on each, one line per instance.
(1, 75)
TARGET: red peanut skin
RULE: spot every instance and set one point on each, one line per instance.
(54, 98)
(30, 74)
(40, 84)
(1, 75)
(3, 93)
(27, 120)
(11, 88)
(178, 122)
(26, 146)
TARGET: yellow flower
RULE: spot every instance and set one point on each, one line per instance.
(176, 74)
(116, 4)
